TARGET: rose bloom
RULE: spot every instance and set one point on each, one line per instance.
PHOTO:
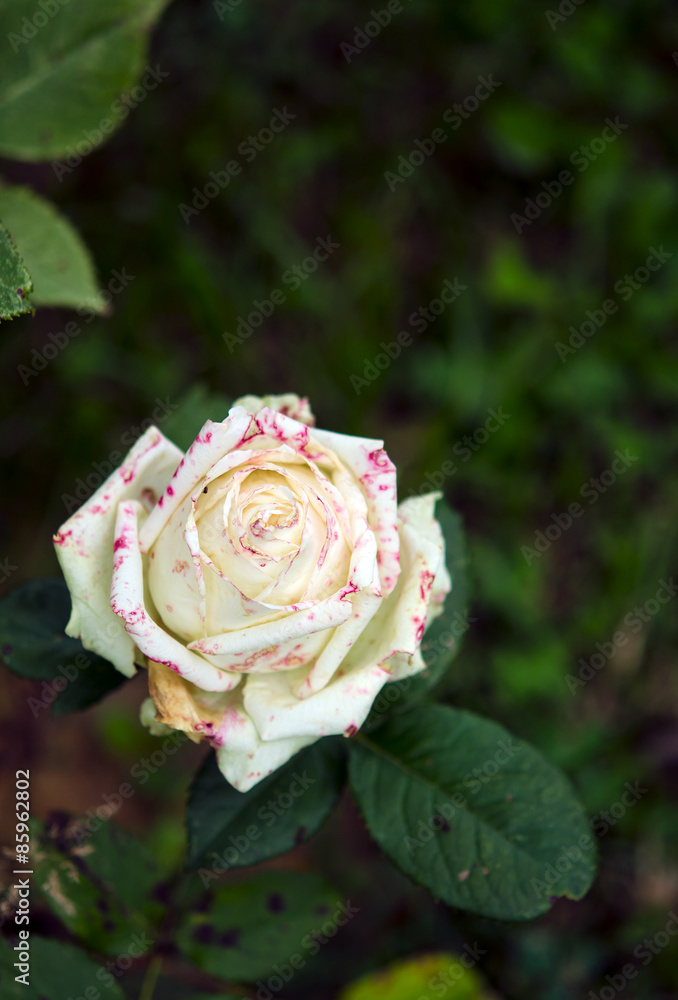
(267, 579)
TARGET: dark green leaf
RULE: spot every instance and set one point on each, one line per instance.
(58, 971)
(95, 680)
(61, 87)
(479, 818)
(33, 617)
(100, 884)
(54, 253)
(33, 644)
(235, 829)
(15, 281)
(248, 928)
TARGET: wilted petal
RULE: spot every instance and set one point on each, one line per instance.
(180, 705)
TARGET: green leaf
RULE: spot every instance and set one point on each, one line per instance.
(61, 88)
(33, 644)
(99, 884)
(248, 928)
(443, 639)
(33, 617)
(54, 253)
(58, 970)
(480, 819)
(15, 281)
(415, 977)
(197, 407)
(96, 678)
(285, 809)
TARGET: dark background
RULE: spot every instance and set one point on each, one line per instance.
(493, 347)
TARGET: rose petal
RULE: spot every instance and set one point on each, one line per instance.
(246, 758)
(288, 403)
(181, 705)
(323, 615)
(84, 546)
(213, 441)
(243, 757)
(419, 512)
(128, 601)
(366, 600)
(398, 626)
(377, 475)
(340, 707)
(172, 581)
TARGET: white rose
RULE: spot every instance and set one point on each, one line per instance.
(266, 578)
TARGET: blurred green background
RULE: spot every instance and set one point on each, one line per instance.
(323, 176)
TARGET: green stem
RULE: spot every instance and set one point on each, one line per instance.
(151, 978)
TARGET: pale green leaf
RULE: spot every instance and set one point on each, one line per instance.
(54, 253)
(64, 70)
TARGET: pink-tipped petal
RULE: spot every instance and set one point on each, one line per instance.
(128, 601)
(84, 546)
(376, 474)
(212, 443)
